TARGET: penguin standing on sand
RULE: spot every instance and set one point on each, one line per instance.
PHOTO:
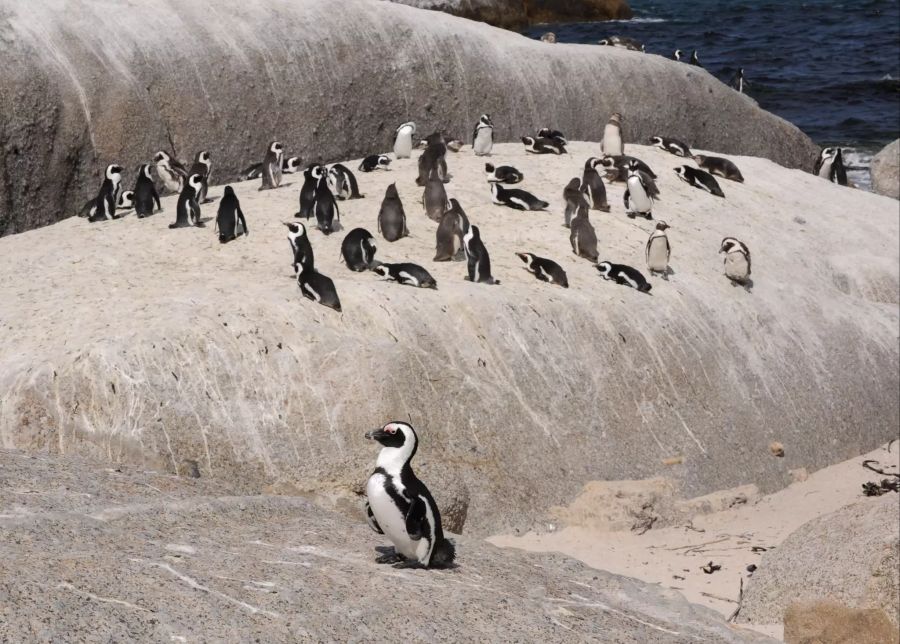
(582, 235)
(483, 136)
(311, 177)
(358, 250)
(145, 195)
(230, 220)
(391, 217)
(325, 207)
(450, 233)
(202, 166)
(188, 210)
(637, 196)
(108, 197)
(737, 261)
(658, 251)
(479, 262)
(301, 249)
(170, 171)
(593, 187)
(613, 143)
(403, 140)
(574, 198)
(433, 162)
(271, 166)
(435, 198)
(399, 506)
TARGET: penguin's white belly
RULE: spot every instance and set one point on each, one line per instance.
(612, 141)
(403, 146)
(825, 170)
(388, 516)
(171, 181)
(736, 266)
(657, 259)
(640, 202)
(483, 142)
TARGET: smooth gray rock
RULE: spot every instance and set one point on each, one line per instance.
(851, 557)
(91, 553)
(886, 171)
(518, 13)
(127, 79)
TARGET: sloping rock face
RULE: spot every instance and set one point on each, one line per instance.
(91, 553)
(518, 13)
(119, 81)
(851, 557)
(886, 171)
(129, 341)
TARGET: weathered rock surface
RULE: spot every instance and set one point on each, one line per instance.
(133, 342)
(518, 13)
(92, 553)
(851, 557)
(124, 79)
(886, 171)
(824, 622)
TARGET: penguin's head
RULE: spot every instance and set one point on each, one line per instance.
(292, 164)
(126, 199)
(699, 158)
(114, 172)
(607, 162)
(605, 268)
(661, 225)
(276, 147)
(295, 230)
(527, 140)
(489, 168)
(526, 257)
(409, 126)
(634, 168)
(147, 171)
(204, 157)
(161, 157)
(677, 54)
(604, 41)
(384, 161)
(228, 192)
(486, 120)
(396, 435)
(391, 192)
(317, 171)
(826, 153)
(657, 141)
(574, 184)
(381, 270)
(195, 181)
(616, 118)
(730, 244)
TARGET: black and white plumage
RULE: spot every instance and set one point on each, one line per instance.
(737, 260)
(302, 258)
(502, 174)
(358, 250)
(125, 200)
(477, 257)
(593, 187)
(399, 505)
(673, 146)
(271, 166)
(695, 59)
(622, 42)
(515, 198)
(830, 165)
(543, 145)
(550, 133)
(188, 209)
(546, 270)
(403, 140)
(406, 273)
(575, 198)
(450, 233)
(342, 182)
(582, 235)
(699, 179)
(720, 167)
(145, 194)
(433, 161)
(613, 142)
(434, 198)
(325, 207)
(677, 55)
(737, 81)
(658, 250)
(203, 166)
(483, 136)
(637, 197)
(375, 162)
(624, 275)
(616, 167)
(230, 221)
(103, 207)
(391, 216)
(170, 171)
(311, 178)
(290, 165)
(318, 288)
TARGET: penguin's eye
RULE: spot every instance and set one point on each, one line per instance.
(390, 430)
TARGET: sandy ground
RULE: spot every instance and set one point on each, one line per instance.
(673, 556)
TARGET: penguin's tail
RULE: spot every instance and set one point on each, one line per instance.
(444, 554)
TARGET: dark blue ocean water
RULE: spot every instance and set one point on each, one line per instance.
(830, 67)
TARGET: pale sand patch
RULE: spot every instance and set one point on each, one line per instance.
(726, 539)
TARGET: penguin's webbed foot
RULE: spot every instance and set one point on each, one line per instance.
(408, 563)
(390, 558)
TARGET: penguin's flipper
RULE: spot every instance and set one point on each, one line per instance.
(370, 519)
(415, 517)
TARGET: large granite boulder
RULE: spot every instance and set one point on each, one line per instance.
(518, 13)
(119, 81)
(886, 171)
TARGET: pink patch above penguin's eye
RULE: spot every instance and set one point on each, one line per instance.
(390, 430)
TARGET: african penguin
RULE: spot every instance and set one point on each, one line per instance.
(433, 162)
(543, 146)
(391, 217)
(515, 198)
(325, 207)
(574, 197)
(616, 168)
(622, 42)
(399, 506)
(502, 174)
(556, 135)
(311, 177)
(125, 201)
(107, 198)
(582, 235)
(719, 166)
(271, 166)
(637, 198)
(658, 250)
(317, 287)
(483, 136)
(358, 250)
(290, 165)
(342, 182)
(677, 55)
(375, 162)
(403, 143)
(830, 166)
(613, 143)
(202, 166)
(406, 273)
(435, 198)
(170, 171)
(593, 187)
(450, 232)
(673, 146)
(546, 270)
(699, 179)
(695, 59)
(145, 195)
(624, 275)
(737, 261)
(188, 210)
(302, 258)
(737, 81)
(479, 262)
(230, 220)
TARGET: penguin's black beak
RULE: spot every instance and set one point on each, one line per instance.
(376, 434)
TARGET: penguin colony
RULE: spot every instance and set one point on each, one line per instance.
(398, 504)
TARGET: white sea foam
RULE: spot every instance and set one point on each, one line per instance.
(858, 163)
